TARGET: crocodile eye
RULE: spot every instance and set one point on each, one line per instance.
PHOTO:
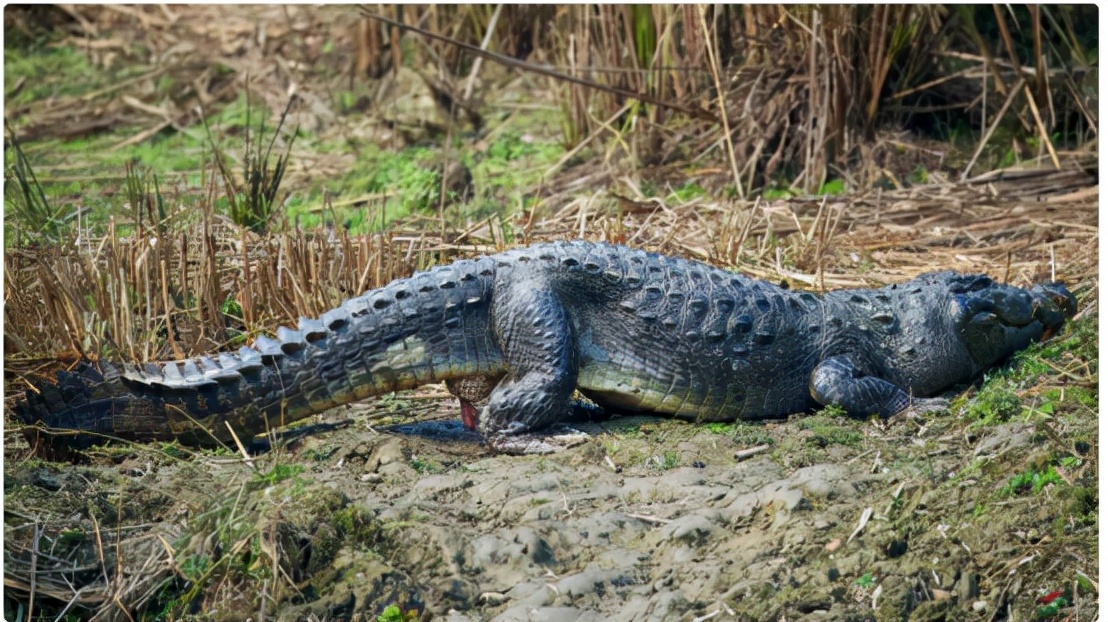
(985, 319)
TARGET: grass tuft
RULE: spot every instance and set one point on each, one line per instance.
(36, 219)
(252, 203)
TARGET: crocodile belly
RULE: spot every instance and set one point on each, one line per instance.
(684, 395)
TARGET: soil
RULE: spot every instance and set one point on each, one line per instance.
(647, 519)
(393, 511)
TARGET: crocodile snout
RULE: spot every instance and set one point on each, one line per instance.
(1052, 304)
(999, 320)
(1048, 304)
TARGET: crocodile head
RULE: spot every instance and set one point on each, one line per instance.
(950, 327)
(954, 326)
(994, 320)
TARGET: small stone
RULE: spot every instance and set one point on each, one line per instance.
(833, 545)
(979, 605)
(967, 587)
(493, 598)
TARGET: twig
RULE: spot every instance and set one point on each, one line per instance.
(1039, 124)
(749, 452)
(554, 168)
(546, 71)
(242, 450)
(863, 520)
(707, 616)
(648, 518)
(37, 535)
(992, 128)
(484, 46)
(713, 62)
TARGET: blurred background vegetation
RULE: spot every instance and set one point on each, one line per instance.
(732, 101)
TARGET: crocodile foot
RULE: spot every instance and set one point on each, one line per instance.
(925, 405)
(552, 439)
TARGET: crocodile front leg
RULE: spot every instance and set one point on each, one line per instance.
(839, 380)
(536, 337)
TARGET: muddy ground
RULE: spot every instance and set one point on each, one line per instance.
(647, 519)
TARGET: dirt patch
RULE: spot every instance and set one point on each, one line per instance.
(650, 519)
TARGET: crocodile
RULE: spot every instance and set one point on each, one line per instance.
(633, 331)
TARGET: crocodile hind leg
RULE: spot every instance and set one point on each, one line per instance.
(537, 340)
(841, 381)
(470, 391)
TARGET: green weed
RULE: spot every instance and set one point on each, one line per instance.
(747, 435)
(24, 198)
(719, 427)
(994, 403)
(426, 467)
(833, 187)
(687, 192)
(830, 428)
(392, 613)
(279, 473)
(253, 202)
(1033, 479)
(665, 462)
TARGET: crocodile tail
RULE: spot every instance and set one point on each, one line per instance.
(433, 326)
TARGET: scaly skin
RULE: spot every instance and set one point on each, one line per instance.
(633, 331)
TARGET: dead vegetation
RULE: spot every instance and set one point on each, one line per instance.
(153, 296)
(749, 98)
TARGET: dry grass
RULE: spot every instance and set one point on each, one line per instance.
(188, 282)
(801, 92)
(146, 297)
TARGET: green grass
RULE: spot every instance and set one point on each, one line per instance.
(831, 426)
(994, 403)
(426, 467)
(88, 171)
(392, 613)
(1005, 394)
(279, 473)
(666, 462)
(58, 72)
(1033, 480)
(380, 186)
